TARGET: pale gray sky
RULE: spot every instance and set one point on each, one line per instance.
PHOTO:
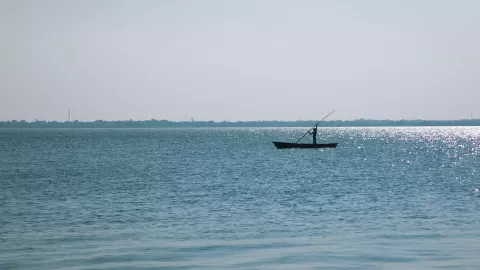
(239, 60)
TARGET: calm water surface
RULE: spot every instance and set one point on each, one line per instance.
(386, 198)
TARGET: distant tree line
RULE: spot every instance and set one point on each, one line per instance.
(172, 124)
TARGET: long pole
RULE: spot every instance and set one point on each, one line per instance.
(315, 126)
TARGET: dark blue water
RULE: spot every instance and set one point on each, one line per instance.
(386, 198)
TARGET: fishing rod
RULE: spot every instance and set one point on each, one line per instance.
(315, 125)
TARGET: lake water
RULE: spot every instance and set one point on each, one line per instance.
(385, 198)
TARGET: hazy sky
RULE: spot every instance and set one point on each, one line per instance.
(239, 60)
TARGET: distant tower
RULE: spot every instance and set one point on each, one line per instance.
(193, 119)
(68, 115)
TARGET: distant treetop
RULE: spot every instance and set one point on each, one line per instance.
(172, 124)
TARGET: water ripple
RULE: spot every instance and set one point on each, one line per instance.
(226, 198)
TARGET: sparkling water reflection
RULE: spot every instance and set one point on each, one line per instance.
(224, 198)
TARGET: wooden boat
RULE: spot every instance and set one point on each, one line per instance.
(286, 145)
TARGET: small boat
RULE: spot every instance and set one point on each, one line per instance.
(285, 145)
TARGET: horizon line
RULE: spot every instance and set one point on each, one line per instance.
(230, 121)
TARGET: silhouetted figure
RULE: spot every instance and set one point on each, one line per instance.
(314, 134)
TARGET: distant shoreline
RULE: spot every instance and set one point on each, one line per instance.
(214, 124)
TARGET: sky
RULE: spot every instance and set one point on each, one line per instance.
(239, 60)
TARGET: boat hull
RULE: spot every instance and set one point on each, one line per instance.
(286, 145)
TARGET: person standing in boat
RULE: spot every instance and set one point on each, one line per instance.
(314, 134)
